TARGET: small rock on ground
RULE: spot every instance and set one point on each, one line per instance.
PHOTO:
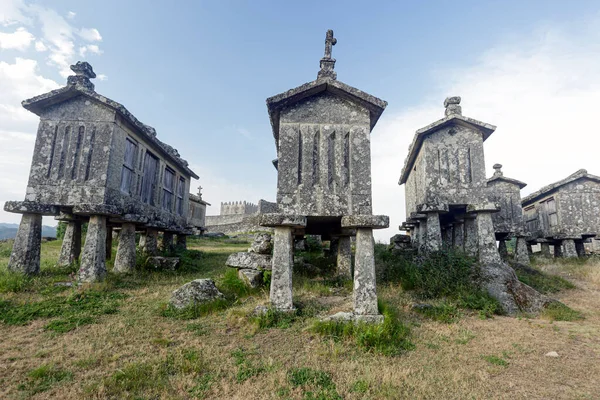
(195, 292)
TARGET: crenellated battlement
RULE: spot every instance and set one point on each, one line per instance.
(238, 207)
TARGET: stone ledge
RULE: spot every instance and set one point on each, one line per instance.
(366, 221)
(96, 209)
(245, 260)
(483, 207)
(432, 207)
(273, 220)
(353, 317)
(30, 207)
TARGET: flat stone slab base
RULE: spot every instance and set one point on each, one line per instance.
(352, 317)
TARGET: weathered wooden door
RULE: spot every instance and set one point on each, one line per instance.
(149, 179)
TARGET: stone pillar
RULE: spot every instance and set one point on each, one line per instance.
(281, 274)
(414, 235)
(71, 245)
(458, 235)
(125, 257)
(181, 241)
(142, 243)
(167, 242)
(471, 242)
(25, 256)
(558, 251)
(568, 248)
(365, 292)
(334, 245)
(93, 257)
(109, 242)
(521, 253)
(545, 249)
(433, 237)
(344, 257)
(529, 249)
(448, 235)
(151, 242)
(422, 234)
(502, 250)
(488, 252)
(580, 248)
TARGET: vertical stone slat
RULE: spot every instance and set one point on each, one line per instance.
(281, 275)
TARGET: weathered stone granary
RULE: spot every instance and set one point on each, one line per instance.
(508, 222)
(197, 212)
(322, 136)
(444, 173)
(449, 203)
(95, 162)
(564, 214)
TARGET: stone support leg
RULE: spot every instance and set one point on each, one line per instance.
(521, 252)
(568, 248)
(458, 239)
(488, 252)
(471, 243)
(109, 242)
(529, 249)
(181, 241)
(580, 248)
(125, 258)
(558, 251)
(25, 256)
(433, 237)
(281, 275)
(448, 235)
(93, 257)
(414, 236)
(344, 257)
(365, 292)
(71, 245)
(167, 242)
(545, 250)
(142, 243)
(150, 242)
(502, 250)
(422, 235)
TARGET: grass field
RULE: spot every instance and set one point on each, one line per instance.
(119, 340)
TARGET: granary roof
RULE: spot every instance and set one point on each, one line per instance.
(582, 173)
(499, 177)
(326, 82)
(80, 85)
(453, 117)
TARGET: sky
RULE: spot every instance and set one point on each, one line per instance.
(199, 72)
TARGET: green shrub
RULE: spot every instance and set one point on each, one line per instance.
(13, 282)
(495, 360)
(43, 378)
(194, 311)
(274, 319)
(389, 338)
(541, 281)
(79, 308)
(308, 378)
(444, 312)
(232, 285)
(559, 312)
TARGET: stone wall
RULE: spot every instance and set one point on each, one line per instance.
(248, 223)
(238, 207)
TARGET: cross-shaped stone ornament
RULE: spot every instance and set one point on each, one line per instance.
(328, 63)
(330, 41)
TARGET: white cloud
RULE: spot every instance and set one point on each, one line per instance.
(18, 40)
(542, 92)
(71, 15)
(40, 46)
(90, 34)
(243, 131)
(91, 48)
(11, 12)
(18, 81)
(101, 77)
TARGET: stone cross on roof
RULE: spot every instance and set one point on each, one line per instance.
(498, 170)
(328, 63)
(83, 73)
(200, 192)
(452, 105)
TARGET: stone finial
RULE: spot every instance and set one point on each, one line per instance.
(452, 105)
(83, 73)
(328, 63)
(200, 192)
(498, 170)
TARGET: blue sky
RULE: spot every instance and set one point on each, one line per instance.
(199, 72)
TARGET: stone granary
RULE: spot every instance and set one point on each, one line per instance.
(322, 136)
(448, 201)
(565, 214)
(508, 222)
(197, 212)
(95, 162)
